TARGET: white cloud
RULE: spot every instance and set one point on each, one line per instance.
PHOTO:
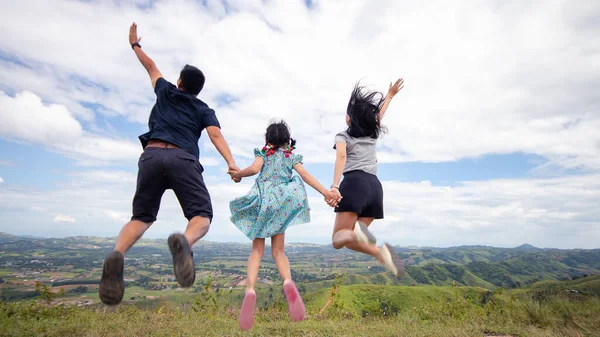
(558, 212)
(64, 218)
(480, 78)
(120, 216)
(27, 119)
(210, 161)
(1, 180)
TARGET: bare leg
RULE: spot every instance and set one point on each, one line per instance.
(258, 249)
(196, 229)
(296, 308)
(283, 265)
(246, 319)
(343, 234)
(366, 221)
(130, 233)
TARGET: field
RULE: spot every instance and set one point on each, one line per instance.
(545, 309)
(48, 287)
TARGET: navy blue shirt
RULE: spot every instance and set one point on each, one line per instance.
(178, 118)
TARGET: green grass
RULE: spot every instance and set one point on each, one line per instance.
(544, 309)
(427, 312)
(586, 285)
(5, 272)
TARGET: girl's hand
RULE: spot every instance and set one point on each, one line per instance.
(235, 175)
(332, 197)
(396, 87)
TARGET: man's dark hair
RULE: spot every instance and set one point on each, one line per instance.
(192, 79)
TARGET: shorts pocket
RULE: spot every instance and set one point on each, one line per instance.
(145, 156)
(186, 156)
(190, 158)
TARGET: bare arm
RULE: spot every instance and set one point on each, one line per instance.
(250, 170)
(216, 137)
(392, 91)
(340, 162)
(146, 61)
(384, 107)
(310, 180)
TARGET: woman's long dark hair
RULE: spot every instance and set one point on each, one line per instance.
(278, 135)
(363, 109)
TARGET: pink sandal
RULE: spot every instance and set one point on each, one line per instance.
(295, 304)
(246, 319)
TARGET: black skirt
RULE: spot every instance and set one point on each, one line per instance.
(362, 194)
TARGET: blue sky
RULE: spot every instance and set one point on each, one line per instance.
(493, 140)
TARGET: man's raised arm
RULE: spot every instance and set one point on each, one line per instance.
(144, 59)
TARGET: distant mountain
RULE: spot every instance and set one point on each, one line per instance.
(483, 266)
(527, 246)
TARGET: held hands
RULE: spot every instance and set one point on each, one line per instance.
(395, 88)
(133, 37)
(234, 172)
(332, 197)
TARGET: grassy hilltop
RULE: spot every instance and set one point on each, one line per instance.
(48, 287)
(544, 309)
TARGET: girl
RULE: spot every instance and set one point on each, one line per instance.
(356, 159)
(277, 200)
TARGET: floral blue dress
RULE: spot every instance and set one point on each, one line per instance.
(276, 201)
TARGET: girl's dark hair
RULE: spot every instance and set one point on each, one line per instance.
(278, 134)
(363, 109)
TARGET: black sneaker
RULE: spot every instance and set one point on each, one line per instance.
(112, 285)
(183, 261)
(392, 261)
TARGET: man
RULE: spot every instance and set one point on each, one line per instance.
(170, 161)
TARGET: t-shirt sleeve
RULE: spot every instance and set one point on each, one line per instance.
(210, 119)
(259, 153)
(297, 159)
(161, 84)
(340, 137)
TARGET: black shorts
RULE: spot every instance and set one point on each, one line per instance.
(160, 169)
(362, 194)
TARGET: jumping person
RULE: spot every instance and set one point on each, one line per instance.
(276, 201)
(170, 160)
(356, 159)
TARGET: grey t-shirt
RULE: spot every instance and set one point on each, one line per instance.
(361, 152)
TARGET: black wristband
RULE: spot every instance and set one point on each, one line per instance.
(135, 44)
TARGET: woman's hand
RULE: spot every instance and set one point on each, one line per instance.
(395, 88)
(332, 197)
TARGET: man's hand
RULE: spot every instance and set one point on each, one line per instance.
(133, 36)
(396, 87)
(146, 61)
(233, 170)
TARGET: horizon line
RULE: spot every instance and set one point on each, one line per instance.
(25, 236)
